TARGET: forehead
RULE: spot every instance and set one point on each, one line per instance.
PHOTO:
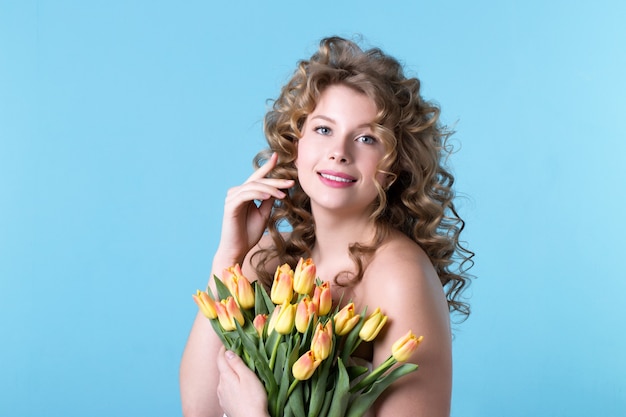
(345, 102)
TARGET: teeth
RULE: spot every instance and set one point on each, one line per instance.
(334, 178)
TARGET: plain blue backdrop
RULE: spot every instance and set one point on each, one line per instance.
(123, 123)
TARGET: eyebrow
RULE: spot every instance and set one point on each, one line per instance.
(331, 120)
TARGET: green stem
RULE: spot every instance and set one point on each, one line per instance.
(274, 352)
(371, 378)
(292, 387)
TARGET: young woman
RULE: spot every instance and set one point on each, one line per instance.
(355, 168)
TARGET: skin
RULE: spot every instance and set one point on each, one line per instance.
(400, 279)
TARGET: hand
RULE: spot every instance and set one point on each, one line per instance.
(239, 390)
(244, 222)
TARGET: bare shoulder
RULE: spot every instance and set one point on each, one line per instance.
(402, 281)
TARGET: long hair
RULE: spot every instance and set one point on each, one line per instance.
(419, 200)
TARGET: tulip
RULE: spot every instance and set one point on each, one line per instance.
(273, 317)
(282, 288)
(245, 293)
(322, 298)
(405, 346)
(227, 313)
(372, 325)
(322, 341)
(259, 323)
(304, 367)
(304, 276)
(239, 286)
(230, 276)
(345, 320)
(304, 311)
(205, 303)
(285, 318)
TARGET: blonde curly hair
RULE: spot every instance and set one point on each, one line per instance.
(419, 199)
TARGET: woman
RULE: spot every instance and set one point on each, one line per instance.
(356, 171)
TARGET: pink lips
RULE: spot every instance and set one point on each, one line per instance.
(336, 179)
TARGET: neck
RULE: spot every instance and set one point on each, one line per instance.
(334, 234)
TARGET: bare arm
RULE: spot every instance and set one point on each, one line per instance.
(242, 227)
(410, 293)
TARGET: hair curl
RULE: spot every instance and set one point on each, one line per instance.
(419, 201)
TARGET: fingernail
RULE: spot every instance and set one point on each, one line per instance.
(230, 354)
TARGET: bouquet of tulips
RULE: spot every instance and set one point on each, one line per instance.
(299, 346)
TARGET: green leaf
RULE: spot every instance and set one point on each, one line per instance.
(222, 290)
(296, 402)
(341, 396)
(364, 401)
(260, 306)
(355, 371)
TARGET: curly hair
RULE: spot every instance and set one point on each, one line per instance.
(419, 200)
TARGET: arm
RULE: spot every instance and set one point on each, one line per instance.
(411, 295)
(242, 227)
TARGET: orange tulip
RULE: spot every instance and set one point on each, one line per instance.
(259, 323)
(405, 346)
(322, 298)
(322, 341)
(282, 288)
(372, 325)
(346, 319)
(304, 367)
(304, 277)
(205, 303)
(239, 286)
(304, 311)
(227, 313)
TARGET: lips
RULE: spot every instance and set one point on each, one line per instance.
(337, 177)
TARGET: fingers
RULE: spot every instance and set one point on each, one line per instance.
(265, 168)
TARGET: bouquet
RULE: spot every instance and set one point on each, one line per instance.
(299, 346)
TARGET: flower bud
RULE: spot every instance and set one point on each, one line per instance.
(285, 319)
(405, 346)
(345, 320)
(304, 367)
(259, 323)
(372, 325)
(227, 312)
(322, 341)
(282, 288)
(245, 293)
(304, 312)
(205, 303)
(304, 277)
(322, 298)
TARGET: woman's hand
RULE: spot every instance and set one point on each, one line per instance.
(244, 222)
(240, 392)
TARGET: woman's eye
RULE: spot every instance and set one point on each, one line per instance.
(368, 140)
(323, 130)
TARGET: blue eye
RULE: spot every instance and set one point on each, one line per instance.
(323, 130)
(368, 140)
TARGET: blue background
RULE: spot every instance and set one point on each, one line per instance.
(123, 123)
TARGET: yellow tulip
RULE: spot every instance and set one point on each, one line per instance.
(372, 325)
(405, 346)
(227, 313)
(346, 319)
(304, 367)
(282, 288)
(205, 303)
(322, 298)
(304, 311)
(259, 323)
(322, 341)
(285, 319)
(304, 276)
(239, 286)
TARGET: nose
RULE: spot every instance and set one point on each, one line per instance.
(339, 151)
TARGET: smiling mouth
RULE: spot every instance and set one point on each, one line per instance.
(336, 178)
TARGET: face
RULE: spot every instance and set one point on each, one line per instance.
(338, 153)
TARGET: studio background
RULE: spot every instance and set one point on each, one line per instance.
(123, 123)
